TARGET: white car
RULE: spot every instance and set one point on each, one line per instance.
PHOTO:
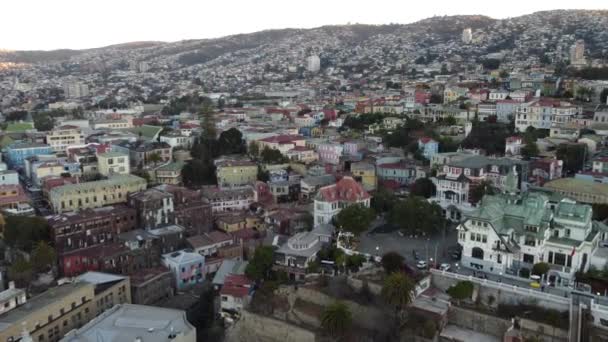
(444, 267)
(421, 265)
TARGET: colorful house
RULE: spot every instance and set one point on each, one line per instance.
(187, 268)
(428, 146)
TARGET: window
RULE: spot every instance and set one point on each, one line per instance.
(529, 258)
(530, 241)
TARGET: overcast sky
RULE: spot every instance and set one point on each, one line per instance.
(77, 24)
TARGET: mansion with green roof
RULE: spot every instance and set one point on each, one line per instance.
(510, 232)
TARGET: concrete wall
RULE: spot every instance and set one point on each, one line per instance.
(255, 328)
(502, 292)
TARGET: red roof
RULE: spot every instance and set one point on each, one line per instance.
(426, 140)
(283, 139)
(513, 139)
(346, 189)
(236, 285)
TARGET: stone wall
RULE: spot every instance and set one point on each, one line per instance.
(478, 322)
(255, 328)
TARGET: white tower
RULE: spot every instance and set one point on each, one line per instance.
(313, 63)
(467, 35)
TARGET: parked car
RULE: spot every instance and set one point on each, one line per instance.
(444, 267)
(421, 265)
(480, 275)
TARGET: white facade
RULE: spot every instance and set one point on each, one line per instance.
(313, 63)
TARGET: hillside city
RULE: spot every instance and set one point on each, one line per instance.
(445, 180)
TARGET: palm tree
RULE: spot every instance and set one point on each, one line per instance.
(398, 291)
(336, 319)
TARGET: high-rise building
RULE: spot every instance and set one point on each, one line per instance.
(577, 53)
(313, 63)
(74, 90)
(467, 35)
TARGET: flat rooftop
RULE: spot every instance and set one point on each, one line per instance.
(127, 322)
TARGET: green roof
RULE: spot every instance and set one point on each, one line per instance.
(5, 140)
(177, 166)
(19, 126)
(113, 154)
(147, 131)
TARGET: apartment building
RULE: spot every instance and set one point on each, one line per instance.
(154, 208)
(110, 289)
(113, 163)
(230, 199)
(151, 285)
(51, 314)
(16, 153)
(94, 194)
(79, 230)
(60, 138)
(330, 200)
(541, 113)
(191, 210)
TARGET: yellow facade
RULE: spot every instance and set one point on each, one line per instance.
(50, 315)
(95, 194)
(365, 174)
(118, 293)
(231, 175)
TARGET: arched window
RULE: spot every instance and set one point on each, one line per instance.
(477, 253)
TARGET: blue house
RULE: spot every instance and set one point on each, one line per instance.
(16, 153)
(428, 147)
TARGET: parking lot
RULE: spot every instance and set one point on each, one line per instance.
(435, 247)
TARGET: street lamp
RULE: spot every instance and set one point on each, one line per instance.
(377, 251)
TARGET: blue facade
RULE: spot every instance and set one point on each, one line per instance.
(187, 268)
(16, 154)
(429, 148)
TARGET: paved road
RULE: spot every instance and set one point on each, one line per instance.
(435, 247)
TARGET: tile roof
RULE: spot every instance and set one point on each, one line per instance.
(346, 189)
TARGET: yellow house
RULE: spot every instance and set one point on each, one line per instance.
(365, 173)
(95, 194)
(240, 220)
(234, 174)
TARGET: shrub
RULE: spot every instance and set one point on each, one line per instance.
(462, 290)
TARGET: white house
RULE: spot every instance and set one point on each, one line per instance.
(333, 198)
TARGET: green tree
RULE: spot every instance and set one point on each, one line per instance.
(398, 291)
(24, 232)
(272, 156)
(154, 158)
(484, 188)
(392, 262)
(254, 149)
(336, 319)
(462, 290)
(573, 155)
(43, 122)
(21, 272)
(530, 150)
(415, 215)
(43, 257)
(260, 265)
(355, 218)
(604, 95)
(450, 121)
(383, 200)
(231, 141)
(600, 211)
(422, 187)
(540, 268)
(197, 172)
